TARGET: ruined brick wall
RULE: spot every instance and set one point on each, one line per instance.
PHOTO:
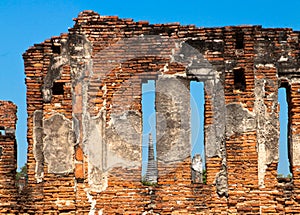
(85, 118)
(8, 158)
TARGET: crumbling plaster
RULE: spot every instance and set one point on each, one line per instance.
(77, 52)
(58, 144)
(101, 143)
(104, 119)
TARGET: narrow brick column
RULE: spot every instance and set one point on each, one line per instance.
(8, 157)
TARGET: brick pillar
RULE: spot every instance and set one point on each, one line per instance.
(8, 157)
(294, 144)
(173, 142)
(173, 119)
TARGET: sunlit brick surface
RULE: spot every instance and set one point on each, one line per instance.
(102, 63)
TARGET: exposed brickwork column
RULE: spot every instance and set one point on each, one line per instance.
(34, 66)
(173, 143)
(8, 158)
(241, 133)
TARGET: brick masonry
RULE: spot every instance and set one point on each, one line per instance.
(85, 119)
(8, 158)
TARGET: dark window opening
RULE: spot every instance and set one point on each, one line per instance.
(2, 130)
(284, 167)
(239, 40)
(149, 162)
(283, 37)
(55, 48)
(197, 101)
(239, 79)
(267, 38)
(58, 88)
(204, 45)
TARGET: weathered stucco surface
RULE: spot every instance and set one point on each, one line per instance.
(172, 119)
(58, 144)
(267, 126)
(38, 135)
(238, 120)
(124, 137)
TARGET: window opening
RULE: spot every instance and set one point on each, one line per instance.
(283, 37)
(197, 101)
(55, 48)
(284, 167)
(2, 130)
(58, 88)
(149, 162)
(239, 79)
(239, 40)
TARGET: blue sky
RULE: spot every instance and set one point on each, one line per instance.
(25, 22)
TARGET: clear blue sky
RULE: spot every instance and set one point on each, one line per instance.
(25, 22)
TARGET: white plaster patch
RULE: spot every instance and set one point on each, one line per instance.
(296, 149)
(218, 41)
(93, 203)
(283, 59)
(270, 65)
(39, 173)
(62, 203)
(57, 105)
(78, 48)
(39, 178)
(262, 167)
(59, 61)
